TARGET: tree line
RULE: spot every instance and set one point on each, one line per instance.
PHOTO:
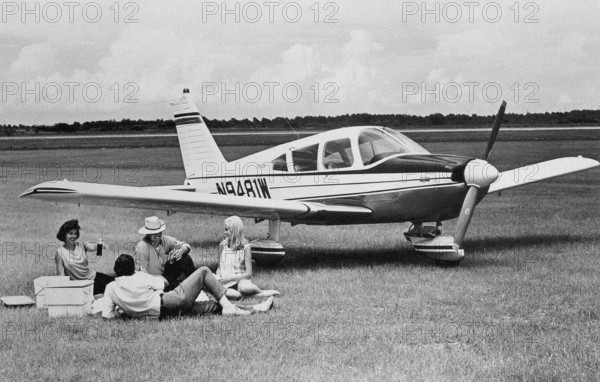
(570, 118)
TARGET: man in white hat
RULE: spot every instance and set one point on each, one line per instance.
(162, 255)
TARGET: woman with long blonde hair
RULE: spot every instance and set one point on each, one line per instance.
(235, 263)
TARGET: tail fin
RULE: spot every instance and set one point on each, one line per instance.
(196, 142)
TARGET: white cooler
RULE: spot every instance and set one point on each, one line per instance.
(70, 298)
(39, 286)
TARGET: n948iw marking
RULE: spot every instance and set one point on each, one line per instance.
(252, 188)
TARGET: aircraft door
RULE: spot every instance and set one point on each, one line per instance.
(337, 154)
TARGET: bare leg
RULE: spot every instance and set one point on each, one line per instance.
(268, 293)
(233, 294)
(247, 288)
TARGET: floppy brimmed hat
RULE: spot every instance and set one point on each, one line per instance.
(152, 225)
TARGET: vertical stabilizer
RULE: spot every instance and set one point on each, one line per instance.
(197, 144)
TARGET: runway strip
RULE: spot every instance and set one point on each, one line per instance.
(301, 132)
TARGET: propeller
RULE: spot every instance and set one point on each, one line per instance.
(479, 174)
(495, 129)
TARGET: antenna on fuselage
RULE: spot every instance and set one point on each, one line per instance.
(292, 127)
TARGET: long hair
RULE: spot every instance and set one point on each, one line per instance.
(236, 239)
(66, 227)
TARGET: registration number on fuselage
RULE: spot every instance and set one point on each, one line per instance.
(252, 188)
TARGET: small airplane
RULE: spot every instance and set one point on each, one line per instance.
(351, 175)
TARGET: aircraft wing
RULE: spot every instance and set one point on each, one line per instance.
(540, 171)
(183, 199)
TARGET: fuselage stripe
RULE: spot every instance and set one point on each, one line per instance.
(187, 121)
(295, 175)
(388, 191)
(187, 115)
(358, 184)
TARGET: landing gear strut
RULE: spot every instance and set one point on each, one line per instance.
(418, 230)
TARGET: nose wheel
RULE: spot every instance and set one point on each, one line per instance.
(429, 241)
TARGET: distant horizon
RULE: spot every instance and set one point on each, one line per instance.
(305, 116)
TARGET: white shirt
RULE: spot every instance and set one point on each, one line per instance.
(137, 295)
(76, 263)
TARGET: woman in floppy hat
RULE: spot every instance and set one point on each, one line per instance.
(162, 255)
(71, 260)
(235, 264)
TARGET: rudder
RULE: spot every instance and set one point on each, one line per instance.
(197, 144)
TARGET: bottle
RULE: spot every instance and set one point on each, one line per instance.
(99, 247)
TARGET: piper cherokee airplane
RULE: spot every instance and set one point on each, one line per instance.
(351, 175)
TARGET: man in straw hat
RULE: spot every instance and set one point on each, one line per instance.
(163, 255)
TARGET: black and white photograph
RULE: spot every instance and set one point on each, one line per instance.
(299, 190)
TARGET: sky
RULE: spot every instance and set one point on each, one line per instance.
(84, 61)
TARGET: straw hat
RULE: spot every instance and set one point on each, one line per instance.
(152, 225)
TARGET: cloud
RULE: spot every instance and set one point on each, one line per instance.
(355, 75)
(158, 61)
(34, 60)
(368, 54)
(361, 46)
(298, 63)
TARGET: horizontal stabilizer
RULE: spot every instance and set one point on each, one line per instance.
(540, 171)
(181, 200)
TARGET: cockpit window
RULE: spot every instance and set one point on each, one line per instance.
(338, 154)
(375, 145)
(305, 159)
(412, 146)
(279, 163)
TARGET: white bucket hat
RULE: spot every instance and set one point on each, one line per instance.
(152, 225)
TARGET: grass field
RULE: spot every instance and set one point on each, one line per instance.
(356, 304)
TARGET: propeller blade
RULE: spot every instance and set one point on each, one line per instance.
(495, 129)
(466, 212)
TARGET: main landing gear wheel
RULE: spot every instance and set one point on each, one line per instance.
(267, 252)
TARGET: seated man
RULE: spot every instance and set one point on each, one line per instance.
(140, 295)
(162, 255)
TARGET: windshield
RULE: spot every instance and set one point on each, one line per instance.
(375, 145)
